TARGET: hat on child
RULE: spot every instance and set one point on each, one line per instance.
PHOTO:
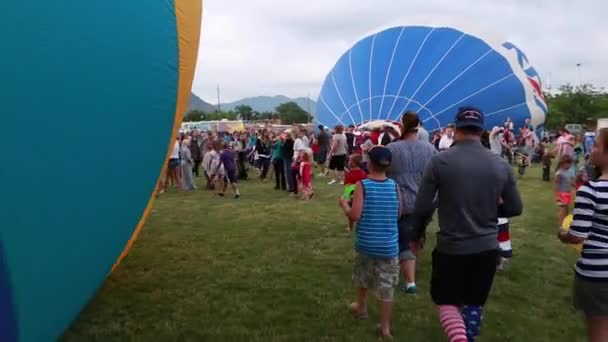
(381, 156)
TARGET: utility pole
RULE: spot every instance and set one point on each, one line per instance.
(578, 74)
(219, 106)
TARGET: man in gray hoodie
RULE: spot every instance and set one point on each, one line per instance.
(472, 188)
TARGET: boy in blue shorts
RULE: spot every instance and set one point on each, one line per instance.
(375, 208)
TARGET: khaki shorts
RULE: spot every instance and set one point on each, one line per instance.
(379, 274)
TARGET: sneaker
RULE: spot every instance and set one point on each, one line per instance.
(237, 196)
(321, 174)
(408, 289)
(504, 264)
(341, 183)
(331, 182)
(220, 194)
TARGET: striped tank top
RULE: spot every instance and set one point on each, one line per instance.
(377, 232)
(591, 223)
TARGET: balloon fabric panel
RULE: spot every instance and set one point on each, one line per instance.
(105, 76)
(432, 71)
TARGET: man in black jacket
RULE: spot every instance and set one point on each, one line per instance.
(473, 188)
(292, 185)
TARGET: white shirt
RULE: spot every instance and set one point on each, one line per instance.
(299, 144)
(175, 152)
(423, 134)
(445, 142)
(495, 145)
(306, 141)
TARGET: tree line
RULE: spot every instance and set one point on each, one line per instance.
(570, 104)
(576, 104)
(289, 113)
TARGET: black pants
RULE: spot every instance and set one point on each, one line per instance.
(292, 185)
(242, 156)
(264, 165)
(546, 173)
(197, 165)
(463, 279)
(279, 174)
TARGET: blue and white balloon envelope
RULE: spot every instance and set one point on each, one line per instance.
(432, 71)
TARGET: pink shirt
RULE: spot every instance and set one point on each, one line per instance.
(564, 147)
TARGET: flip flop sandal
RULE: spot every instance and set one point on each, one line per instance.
(381, 336)
(356, 315)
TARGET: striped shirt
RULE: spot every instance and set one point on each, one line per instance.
(591, 223)
(377, 231)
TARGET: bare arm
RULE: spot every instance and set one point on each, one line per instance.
(512, 205)
(354, 212)
(584, 210)
(425, 202)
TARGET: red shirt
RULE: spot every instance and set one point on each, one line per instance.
(354, 176)
(305, 173)
(375, 135)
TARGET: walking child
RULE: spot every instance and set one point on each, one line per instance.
(228, 162)
(215, 169)
(353, 176)
(376, 209)
(564, 183)
(305, 173)
(207, 166)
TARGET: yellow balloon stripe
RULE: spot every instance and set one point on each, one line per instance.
(188, 15)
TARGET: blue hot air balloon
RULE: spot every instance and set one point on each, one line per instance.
(430, 70)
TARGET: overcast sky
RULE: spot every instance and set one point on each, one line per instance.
(270, 47)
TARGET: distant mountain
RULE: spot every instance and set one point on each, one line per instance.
(198, 103)
(258, 103)
(269, 103)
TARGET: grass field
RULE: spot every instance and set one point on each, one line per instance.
(271, 268)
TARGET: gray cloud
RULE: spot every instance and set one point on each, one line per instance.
(268, 47)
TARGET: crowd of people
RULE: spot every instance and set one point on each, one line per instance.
(395, 178)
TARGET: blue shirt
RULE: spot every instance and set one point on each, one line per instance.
(410, 159)
(227, 158)
(377, 232)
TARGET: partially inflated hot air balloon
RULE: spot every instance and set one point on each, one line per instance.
(91, 94)
(432, 71)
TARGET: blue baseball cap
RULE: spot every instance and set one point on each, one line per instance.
(469, 117)
(381, 156)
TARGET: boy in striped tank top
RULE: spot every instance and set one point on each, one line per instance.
(376, 209)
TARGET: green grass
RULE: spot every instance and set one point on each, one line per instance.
(271, 268)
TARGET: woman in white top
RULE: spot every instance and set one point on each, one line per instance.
(338, 153)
